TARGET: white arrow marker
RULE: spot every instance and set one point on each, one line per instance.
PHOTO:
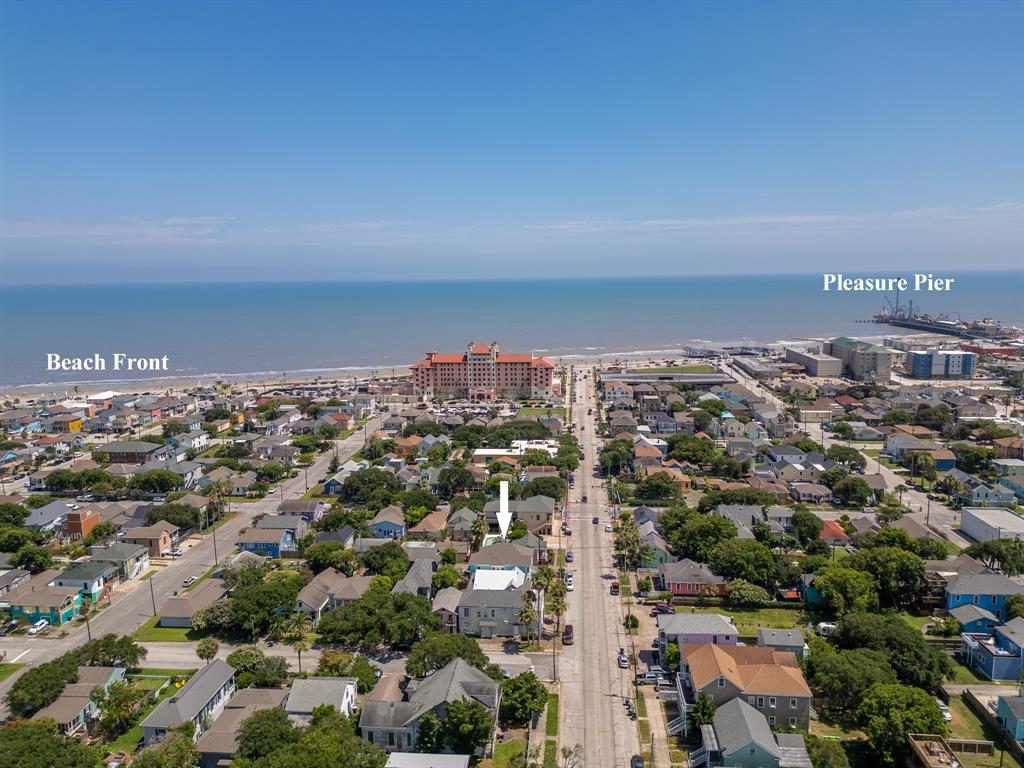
(504, 516)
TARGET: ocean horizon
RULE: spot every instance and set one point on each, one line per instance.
(264, 330)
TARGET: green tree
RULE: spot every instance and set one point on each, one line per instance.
(898, 573)
(37, 744)
(889, 712)
(117, 705)
(743, 559)
(1014, 606)
(177, 749)
(695, 536)
(438, 649)
(703, 711)
(32, 557)
(430, 738)
(206, 649)
(743, 594)
(658, 485)
(467, 726)
(826, 753)
(852, 490)
(264, 732)
(914, 660)
(807, 526)
(446, 576)
(847, 590)
(844, 676)
(521, 697)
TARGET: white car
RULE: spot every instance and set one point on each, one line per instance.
(38, 627)
(607, 527)
(570, 582)
(944, 709)
(189, 581)
(177, 552)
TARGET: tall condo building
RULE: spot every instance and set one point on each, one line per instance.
(483, 372)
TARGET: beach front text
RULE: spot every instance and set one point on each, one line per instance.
(119, 361)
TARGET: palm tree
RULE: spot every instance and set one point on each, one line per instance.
(703, 711)
(300, 644)
(298, 626)
(206, 649)
(528, 610)
(556, 601)
(900, 489)
(480, 529)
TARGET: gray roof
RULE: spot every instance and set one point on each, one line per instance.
(279, 522)
(969, 612)
(983, 584)
(88, 571)
(1014, 630)
(314, 691)
(738, 724)
(696, 624)
(783, 637)
(793, 751)
(491, 598)
(686, 571)
(447, 599)
(419, 576)
(1015, 705)
(194, 695)
(118, 552)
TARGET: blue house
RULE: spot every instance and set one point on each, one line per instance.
(996, 655)
(810, 593)
(1010, 714)
(739, 736)
(270, 542)
(389, 523)
(974, 618)
(985, 590)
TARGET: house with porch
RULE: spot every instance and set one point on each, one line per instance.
(94, 579)
(739, 737)
(985, 590)
(997, 654)
(329, 589)
(200, 702)
(686, 578)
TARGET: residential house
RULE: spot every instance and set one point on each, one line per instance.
(94, 579)
(768, 680)
(490, 613)
(200, 701)
(974, 619)
(389, 523)
(460, 524)
(294, 524)
(997, 654)
(39, 598)
(271, 542)
(1010, 714)
(978, 493)
(133, 451)
(986, 590)
(394, 725)
(833, 534)
(312, 692)
(346, 536)
(431, 527)
(446, 605)
(74, 709)
(218, 744)
(12, 578)
(330, 589)
(811, 493)
(131, 560)
(417, 580)
(502, 555)
(178, 610)
(740, 737)
(155, 538)
(50, 517)
(786, 640)
(686, 578)
(689, 628)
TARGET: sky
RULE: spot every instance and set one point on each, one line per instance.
(296, 141)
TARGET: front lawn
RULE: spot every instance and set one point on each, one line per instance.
(692, 368)
(151, 633)
(6, 670)
(748, 621)
(551, 719)
(506, 753)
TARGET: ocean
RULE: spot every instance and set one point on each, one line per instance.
(263, 330)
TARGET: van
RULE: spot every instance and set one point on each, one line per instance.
(826, 628)
(567, 635)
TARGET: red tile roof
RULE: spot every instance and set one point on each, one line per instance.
(830, 529)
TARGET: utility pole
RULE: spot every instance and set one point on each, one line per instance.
(152, 594)
(216, 557)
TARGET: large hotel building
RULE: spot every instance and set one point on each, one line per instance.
(483, 373)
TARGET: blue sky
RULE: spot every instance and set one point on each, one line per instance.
(160, 141)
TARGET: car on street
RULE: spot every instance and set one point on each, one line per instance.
(177, 552)
(636, 761)
(570, 582)
(159, 499)
(567, 635)
(662, 608)
(189, 581)
(607, 527)
(9, 627)
(271, 490)
(596, 520)
(583, 499)
(38, 627)
(623, 661)
(614, 588)
(568, 556)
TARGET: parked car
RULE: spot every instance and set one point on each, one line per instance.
(646, 678)
(826, 628)
(189, 581)
(596, 520)
(623, 661)
(570, 582)
(7, 628)
(159, 499)
(177, 552)
(614, 588)
(38, 627)
(568, 556)
(636, 761)
(567, 636)
(583, 499)
(662, 608)
(944, 709)
(607, 527)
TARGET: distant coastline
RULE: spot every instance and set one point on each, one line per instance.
(260, 331)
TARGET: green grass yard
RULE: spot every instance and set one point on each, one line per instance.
(507, 752)
(551, 719)
(151, 633)
(748, 621)
(532, 411)
(550, 754)
(6, 670)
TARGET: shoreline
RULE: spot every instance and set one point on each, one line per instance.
(351, 374)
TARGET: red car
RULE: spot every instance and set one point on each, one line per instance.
(583, 500)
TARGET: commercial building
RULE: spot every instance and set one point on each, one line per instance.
(941, 364)
(861, 360)
(815, 363)
(483, 372)
(988, 523)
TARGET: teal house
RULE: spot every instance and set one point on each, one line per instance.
(58, 605)
(739, 737)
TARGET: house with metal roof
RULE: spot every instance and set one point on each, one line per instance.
(219, 743)
(312, 692)
(739, 736)
(201, 700)
(329, 589)
(94, 578)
